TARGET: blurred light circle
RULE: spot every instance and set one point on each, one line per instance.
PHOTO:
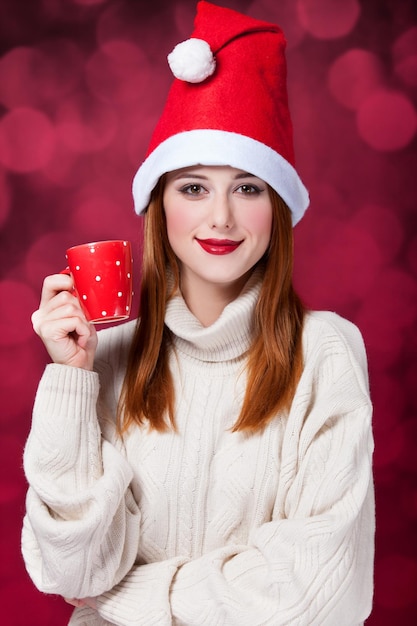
(406, 69)
(339, 265)
(47, 255)
(27, 140)
(387, 120)
(386, 227)
(61, 69)
(95, 214)
(387, 316)
(396, 580)
(184, 16)
(35, 76)
(19, 71)
(116, 72)
(18, 303)
(283, 13)
(353, 76)
(328, 19)
(143, 24)
(67, 168)
(141, 126)
(406, 44)
(394, 295)
(101, 213)
(86, 125)
(404, 52)
(332, 200)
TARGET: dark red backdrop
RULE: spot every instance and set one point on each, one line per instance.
(81, 85)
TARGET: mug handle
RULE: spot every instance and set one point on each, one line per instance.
(67, 271)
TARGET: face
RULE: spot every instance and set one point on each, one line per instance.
(219, 223)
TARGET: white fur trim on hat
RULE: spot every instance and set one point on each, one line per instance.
(192, 61)
(217, 147)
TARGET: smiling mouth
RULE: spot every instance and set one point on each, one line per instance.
(219, 246)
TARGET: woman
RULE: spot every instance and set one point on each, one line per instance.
(211, 463)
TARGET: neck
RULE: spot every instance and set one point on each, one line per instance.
(206, 301)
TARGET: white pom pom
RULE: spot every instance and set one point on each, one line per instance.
(192, 61)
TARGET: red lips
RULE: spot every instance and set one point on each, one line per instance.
(219, 246)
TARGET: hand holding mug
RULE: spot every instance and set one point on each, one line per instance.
(61, 324)
(100, 276)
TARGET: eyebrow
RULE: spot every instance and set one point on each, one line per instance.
(245, 175)
(191, 174)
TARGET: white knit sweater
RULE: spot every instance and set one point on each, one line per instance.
(205, 526)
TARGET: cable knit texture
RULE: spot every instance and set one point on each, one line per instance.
(205, 526)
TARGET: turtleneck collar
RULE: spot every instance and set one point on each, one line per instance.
(229, 337)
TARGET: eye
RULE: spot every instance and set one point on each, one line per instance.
(193, 189)
(248, 190)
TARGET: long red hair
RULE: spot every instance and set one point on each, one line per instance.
(274, 361)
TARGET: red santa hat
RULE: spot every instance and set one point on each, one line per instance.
(227, 106)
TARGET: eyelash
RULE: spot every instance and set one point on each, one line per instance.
(250, 189)
(187, 189)
(254, 189)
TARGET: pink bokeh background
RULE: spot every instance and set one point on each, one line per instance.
(82, 83)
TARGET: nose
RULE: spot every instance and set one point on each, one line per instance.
(221, 214)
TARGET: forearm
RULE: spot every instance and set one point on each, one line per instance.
(321, 581)
(311, 564)
(82, 524)
(62, 456)
(87, 555)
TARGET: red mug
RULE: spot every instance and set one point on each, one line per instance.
(102, 274)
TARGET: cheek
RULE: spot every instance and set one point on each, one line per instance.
(176, 221)
(259, 223)
(173, 223)
(180, 226)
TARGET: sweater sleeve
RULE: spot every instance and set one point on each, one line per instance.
(81, 528)
(312, 563)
